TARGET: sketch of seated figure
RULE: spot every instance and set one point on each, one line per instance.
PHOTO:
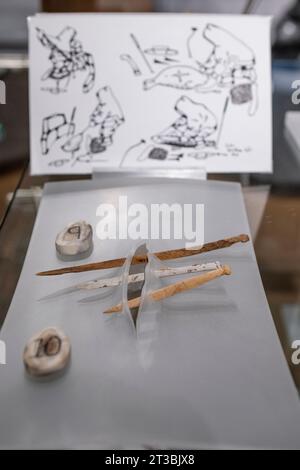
(192, 129)
(66, 57)
(228, 53)
(103, 123)
(230, 62)
(217, 60)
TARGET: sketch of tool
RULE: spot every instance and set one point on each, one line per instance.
(162, 55)
(165, 61)
(54, 127)
(71, 123)
(134, 67)
(138, 46)
(222, 121)
(193, 127)
(161, 51)
(193, 31)
(67, 57)
(74, 144)
(131, 148)
(182, 77)
(144, 154)
(159, 62)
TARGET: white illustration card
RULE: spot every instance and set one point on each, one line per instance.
(150, 90)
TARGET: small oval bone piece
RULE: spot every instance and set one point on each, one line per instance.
(75, 240)
(47, 353)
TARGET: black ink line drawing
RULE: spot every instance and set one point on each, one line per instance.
(193, 31)
(145, 153)
(165, 61)
(245, 93)
(161, 51)
(71, 124)
(103, 123)
(60, 162)
(228, 53)
(204, 154)
(160, 62)
(193, 127)
(67, 57)
(197, 128)
(73, 144)
(183, 77)
(95, 138)
(54, 127)
(158, 153)
(222, 120)
(138, 46)
(177, 156)
(162, 55)
(241, 94)
(132, 147)
(231, 63)
(170, 59)
(127, 58)
(161, 154)
(226, 63)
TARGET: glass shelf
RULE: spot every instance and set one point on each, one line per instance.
(274, 218)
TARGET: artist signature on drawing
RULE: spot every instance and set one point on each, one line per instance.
(231, 150)
(235, 151)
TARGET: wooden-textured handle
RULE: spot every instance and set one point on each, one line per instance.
(162, 255)
(175, 288)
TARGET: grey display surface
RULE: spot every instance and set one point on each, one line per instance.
(210, 371)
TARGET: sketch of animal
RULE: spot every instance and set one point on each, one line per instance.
(183, 77)
(67, 57)
(193, 127)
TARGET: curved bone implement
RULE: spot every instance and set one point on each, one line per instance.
(127, 58)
